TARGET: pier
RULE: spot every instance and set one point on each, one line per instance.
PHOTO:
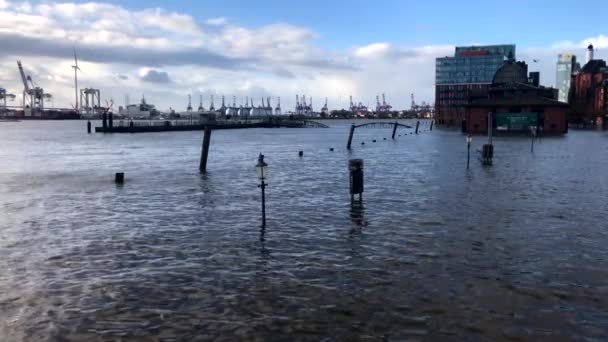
(131, 126)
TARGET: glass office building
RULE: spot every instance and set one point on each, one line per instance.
(566, 65)
(471, 68)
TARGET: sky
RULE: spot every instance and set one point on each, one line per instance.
(167, 50)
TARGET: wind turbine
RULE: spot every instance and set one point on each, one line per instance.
(76, 69)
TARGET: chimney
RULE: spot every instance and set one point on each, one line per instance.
(589, 53)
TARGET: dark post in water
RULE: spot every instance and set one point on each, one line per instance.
(394, 130)
(119, 178)
(110, 120)
(205, 150)
(89, 126)
(355, 166)
(262, 170)
(350, 136)
(431, 128)
(488, 149)
(417, 125)
(104, 121)
(469, 139)
(533, 131)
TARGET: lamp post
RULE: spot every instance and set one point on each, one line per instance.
(261, 170)
(469, 140)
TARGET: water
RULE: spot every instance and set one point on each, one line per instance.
(516, 251)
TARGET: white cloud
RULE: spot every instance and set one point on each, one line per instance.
(216, 21)
(126, 51)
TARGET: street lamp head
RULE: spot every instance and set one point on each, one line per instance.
(469, 139)
(261, 168)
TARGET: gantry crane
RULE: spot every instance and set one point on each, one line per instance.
(33, 97)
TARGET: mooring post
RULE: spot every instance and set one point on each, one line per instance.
(89, 126)
(205, 151)
(110, 120)
(432, 121)
(488, 149)
(417, 126)
(119, 178)
(355, 166)
(104, 121)
(394, 130)
(350, 136)
(533, 136)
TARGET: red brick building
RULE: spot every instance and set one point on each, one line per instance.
(588, 95)
(516, 105)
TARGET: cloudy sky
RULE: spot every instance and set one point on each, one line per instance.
(167, 50)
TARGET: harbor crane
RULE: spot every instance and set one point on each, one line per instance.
(277, 110)
(4, 95)
(200, 106)
(189, 108)
(33, 97)
(212, 106)
(325, 109)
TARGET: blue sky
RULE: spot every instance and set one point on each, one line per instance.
(343, 24)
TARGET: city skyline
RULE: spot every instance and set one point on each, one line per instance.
(265, 49)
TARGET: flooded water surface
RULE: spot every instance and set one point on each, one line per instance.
(435, 252)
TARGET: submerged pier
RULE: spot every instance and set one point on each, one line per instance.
(131, 126)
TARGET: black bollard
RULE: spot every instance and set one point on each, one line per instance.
(301, 153)
(355, 166)
(119, 178)
(104, 121)
(89, 126)
(417, 126)
(487, 154)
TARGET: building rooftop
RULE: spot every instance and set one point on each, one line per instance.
(594, 66)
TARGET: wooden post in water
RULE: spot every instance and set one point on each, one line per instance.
(89, 126)
(432, 121)
(205, 150)
(104, 121)
(111, 120)
(417, 126)
(394, 130)
(350, 136)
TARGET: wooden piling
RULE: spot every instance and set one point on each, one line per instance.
(350, 136)
(417, 126)
(394, 130)
(89, 126)
(205, 149)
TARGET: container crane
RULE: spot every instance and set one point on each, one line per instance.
(212, 106)
(33, 97)
(200, 106)
(277, 110)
